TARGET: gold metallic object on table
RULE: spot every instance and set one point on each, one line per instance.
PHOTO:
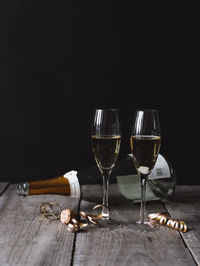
(48, 210)
(68, 217)
(164, 219)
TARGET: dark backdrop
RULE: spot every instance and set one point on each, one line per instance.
(59, 60)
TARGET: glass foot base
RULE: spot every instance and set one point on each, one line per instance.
(146, 227)
(107, 223)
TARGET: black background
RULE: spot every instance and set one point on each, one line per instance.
(59, 60)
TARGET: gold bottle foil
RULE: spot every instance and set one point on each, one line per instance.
(59, 185)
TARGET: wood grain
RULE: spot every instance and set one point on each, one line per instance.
(125, 247)
(24, 239)
(3, 187)
(185, 206)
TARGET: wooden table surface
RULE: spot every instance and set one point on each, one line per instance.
(25, 239)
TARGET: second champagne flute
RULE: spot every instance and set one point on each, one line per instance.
(106, 139)
(145, 145)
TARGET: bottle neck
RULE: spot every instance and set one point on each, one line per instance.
(64, 185)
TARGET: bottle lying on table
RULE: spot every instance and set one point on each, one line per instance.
(161, 183)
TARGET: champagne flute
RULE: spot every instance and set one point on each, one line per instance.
(106, 139)
(145, 145)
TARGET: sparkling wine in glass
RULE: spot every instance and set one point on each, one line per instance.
(145, 145)
(106, 139)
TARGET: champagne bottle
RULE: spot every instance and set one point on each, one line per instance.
(161, 183)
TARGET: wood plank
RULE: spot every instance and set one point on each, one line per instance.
(3, 187)
(185, 205)
(24, 239)
(122, 246)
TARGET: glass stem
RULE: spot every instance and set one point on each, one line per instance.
(105, 210)
(143, 199)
